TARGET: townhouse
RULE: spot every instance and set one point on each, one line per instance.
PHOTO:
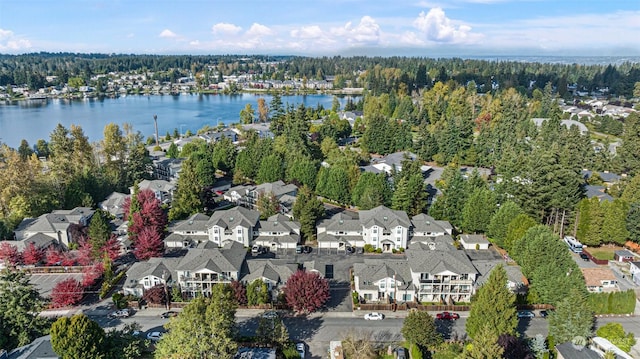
(56, 225)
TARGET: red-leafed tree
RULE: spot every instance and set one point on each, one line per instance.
(146, 215)
(239, 292)
(53, 257)
(68, 259)
(305, 292)
(112, 248)
(148, 244)
(66, 293)
(91, 274)
(32, 254)
(10, 254)
(84, 255)
(155, 295)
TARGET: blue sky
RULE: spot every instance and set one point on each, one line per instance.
(323, 27)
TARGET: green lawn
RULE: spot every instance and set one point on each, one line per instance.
(604, 253)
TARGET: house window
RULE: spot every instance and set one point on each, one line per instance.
(367, 296)
(392, 284)
(406, 297)
(215, 230)
(374, 231)
(464, 276)
(399, 230)
(383, 285)
(239, 231)
(147, 284)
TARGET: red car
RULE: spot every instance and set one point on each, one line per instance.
(447, 316)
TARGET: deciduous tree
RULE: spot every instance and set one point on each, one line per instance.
(239, 292)
(306, 292)
(32, 255)
(10, 254)
(66, 293)
(148, 244)
(257, 293)
(614, 332)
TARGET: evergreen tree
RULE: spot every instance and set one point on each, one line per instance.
(478, 210)
(20, 305)
(99, 232)
(172, 151)
(78, 337)
(224, 155)
(449, 205)
(307, 210)
(268, 205)
(633, 222)
(484, 345)
(614, 228)
(571, 318)
(516, 230)
(497, 229)
(257, 293)
(372, 190)
(419, 328)
(271, 169)
(204, 329)
(187, 199)
(494, 308)
(302, 170)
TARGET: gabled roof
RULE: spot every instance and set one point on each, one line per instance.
(279, 223)
(273, 270)
(197, 222)
(156, 185)
(437, 258)
(156, 267)
(55, 221)
(236, 216)
(597, 191)
(425, 223)
(473, 239)
(384, 217)
(41, 241)
(373, 270)
(226, 259)
(570, 351)
(278, 188)
(341, 221)
(315, 266)
(114, 203)
(593, 277)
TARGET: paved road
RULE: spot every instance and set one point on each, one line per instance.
(319, 329)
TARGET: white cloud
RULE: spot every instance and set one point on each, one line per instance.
(130, 36)
(411, 38)
(194, 43)
(258, 30)
(225, 28)
(307, 32)
(168, 34)
(10, 42)
(367, 32)
(437, 27)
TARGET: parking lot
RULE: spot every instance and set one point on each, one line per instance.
(46, 282)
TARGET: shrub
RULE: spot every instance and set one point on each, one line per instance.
(368, 248)
(379, 250)
(355, 297)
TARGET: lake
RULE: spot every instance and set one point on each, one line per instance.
(36, 119)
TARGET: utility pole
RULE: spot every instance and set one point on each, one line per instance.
(155, 120)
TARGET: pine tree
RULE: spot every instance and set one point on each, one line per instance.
(419, 328)
(478, 210)
(187, 199)
(614, 228)
(497, 229)
(271, 169)
(484, 346)
(494, 307)
(307, 210)
(571, 318)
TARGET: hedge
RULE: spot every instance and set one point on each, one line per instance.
(613, 302)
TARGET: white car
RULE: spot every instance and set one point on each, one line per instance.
(270, 315)
(301, 350)
(154, 336)
(373, 316)
(122, 313)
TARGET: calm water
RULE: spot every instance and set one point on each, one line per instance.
(33, 120)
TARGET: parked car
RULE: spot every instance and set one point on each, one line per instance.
(584, 257)
(526, 314)
(544, 313)
(373, 316)
(349, 249)
(169, 314)
(122, 313)
(270, 314)
(154, 336)
(301, 350)
(448, 316)
(258, 249)
(401, 353)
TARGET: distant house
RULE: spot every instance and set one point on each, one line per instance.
(278, 232)
(426, 228)
(114, 204)
(55, 225)
(274, 273)
(392, 162)
(189, 232)
(163, 190)
(168, 169)
(237, 224)
(142, 276)
(474, 241)
(600, 280)
(623, 256)
(592, 191)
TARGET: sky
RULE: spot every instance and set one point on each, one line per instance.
(323, 27)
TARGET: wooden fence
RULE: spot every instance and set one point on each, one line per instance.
(595, 260)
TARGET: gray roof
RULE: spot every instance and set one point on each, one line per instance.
(156, 185)
(474, 239)
(373, 270)
(40, 348)
(514, 274)
(316, 266)
(156, 267)
(597, 191)
(624, 253)
(384, 217)
(324, 237)
(278, 188)
(182, 238)
(570, 351)
(226, 259)
(114, 203)
(197, 222)
(41, 241)
(55, 221)
(341, 221)
(274, 270)
(443, 257)
(236, 216)
(425, 223)
(279, 223)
